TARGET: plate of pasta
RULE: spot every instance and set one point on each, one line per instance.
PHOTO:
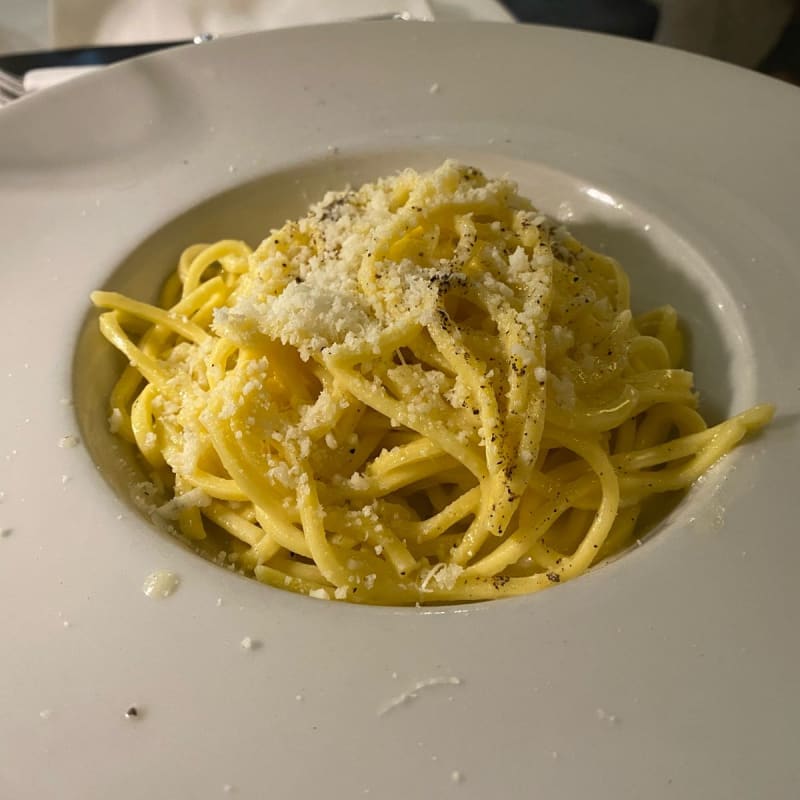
(434, 438)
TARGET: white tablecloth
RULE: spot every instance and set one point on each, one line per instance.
(38, 24)
(740, 31)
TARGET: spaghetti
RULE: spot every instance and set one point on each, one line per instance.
(422, 391)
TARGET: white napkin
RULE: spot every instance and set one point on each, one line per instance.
(83, 22)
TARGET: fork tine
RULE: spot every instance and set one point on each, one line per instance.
(11, 83)
(11, 87)
(8, 80)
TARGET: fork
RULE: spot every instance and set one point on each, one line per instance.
(11, 87)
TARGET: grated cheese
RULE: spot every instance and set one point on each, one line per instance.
(115, 420)
(160, 584)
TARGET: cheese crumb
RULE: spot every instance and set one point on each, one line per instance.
(160, 584)
(115, 420)
(434, 88)
(68, 440)
(359, 482)
(447, 576)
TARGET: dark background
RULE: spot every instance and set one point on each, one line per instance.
(637, 19)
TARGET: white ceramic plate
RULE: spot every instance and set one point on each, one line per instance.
(670, 673)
